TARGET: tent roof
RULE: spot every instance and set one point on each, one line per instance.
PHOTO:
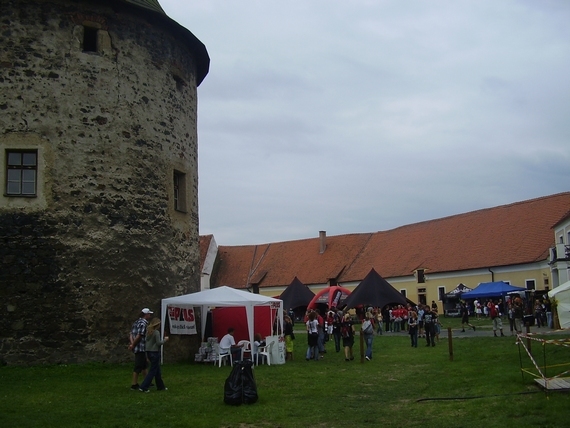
(559, 289)
(457, 291)
(296, 294)
(561, 294)
(374, 290)
(220, 297)
(491, 289)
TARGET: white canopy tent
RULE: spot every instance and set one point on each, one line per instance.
(223, 297)
(562, 296)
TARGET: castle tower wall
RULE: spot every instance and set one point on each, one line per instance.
(105, 95)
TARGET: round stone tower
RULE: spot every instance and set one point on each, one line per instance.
(99, 174)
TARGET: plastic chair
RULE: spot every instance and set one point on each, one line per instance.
(254, 353)
(265, 351)
(246, 348)
(222, 356)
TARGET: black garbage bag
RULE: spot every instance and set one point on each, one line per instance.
(240, 387)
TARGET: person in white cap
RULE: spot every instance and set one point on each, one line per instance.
(137, 339)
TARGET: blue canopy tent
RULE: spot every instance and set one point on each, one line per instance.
(492, 289)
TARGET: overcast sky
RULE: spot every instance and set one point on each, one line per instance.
(359, 116)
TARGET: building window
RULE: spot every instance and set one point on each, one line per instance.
(530, 284)
(404, 292)
(421, 276)
(179, 191)
(180, 83)
(422, 298)
(441, 293)
(89, 39)
(21, 172)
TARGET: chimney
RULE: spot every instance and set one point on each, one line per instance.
(322, 241)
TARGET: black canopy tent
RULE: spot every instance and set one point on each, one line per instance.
(374, 291)
(451, 302)
(458, 291)
(296, 295)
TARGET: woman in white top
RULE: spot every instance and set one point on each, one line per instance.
(312, 336)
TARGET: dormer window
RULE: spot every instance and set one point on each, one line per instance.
(420, 273)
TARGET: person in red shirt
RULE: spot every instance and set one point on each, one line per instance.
(397, 315)
(405, 311)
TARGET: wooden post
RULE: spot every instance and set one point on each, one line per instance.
(555, 319)
(450, 343)
(361, 346)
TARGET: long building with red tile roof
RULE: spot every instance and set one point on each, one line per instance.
(424, 260)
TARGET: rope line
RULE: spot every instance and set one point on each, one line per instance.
(531, 336)
(475, 396)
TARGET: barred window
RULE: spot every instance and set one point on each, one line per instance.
(21, 172)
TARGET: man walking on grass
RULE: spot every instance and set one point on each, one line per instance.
(430, 319)
(137, 344)
(465, 317)
(496, 317)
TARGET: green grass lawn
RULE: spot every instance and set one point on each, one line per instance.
(400, 387)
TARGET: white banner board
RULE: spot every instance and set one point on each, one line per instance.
(182, 320)
(278, 350)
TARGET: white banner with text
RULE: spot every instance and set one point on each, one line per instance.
(182, 320)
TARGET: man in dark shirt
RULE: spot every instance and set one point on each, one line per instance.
(465, 317)
(430, 318)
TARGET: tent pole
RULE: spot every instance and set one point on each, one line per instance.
(450, 342)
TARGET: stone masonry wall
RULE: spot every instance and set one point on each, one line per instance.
(102, 240)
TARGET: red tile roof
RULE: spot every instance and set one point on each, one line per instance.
(517, 233)
(205, 241)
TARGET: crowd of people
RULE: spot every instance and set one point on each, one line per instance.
(338, 326)
(514, 309)
(419, 321)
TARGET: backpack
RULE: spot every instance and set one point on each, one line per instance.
(345, 330)
(493, 311)
(368, 329)
(240, 386)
